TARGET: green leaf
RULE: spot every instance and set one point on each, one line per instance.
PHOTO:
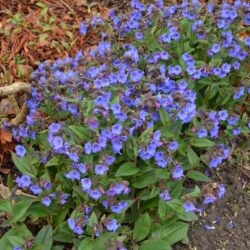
(16, 240)
(127, 169)
(53, 162)
(202, 143)
(19, 230)
(63, 234)
(41, 5)
(187, 216)
(175, 205)
(155, 244)
(198, 176)
(162, 209)
(23, 165)
(5, 206)
(145, 180)
(44, 237)
(196, 192)
(142, 227)
(175, 232)
(19, 210)
(192, 156)
(164, 116)
(80, 131)
(86, 244)
(43, 37)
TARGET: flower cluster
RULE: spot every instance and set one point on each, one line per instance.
(126, 118)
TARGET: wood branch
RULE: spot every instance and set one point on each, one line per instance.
(15, 88)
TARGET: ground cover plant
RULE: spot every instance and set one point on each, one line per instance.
(118, 141)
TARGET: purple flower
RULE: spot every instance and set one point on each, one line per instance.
(20, 151)
(87, 148)
(117, 129)
(136, 75)
(247, 41)
(35, 189)
(226, 67)
(83, 28)
(208, 227)
(164, 195)
(118, 208)
(109, 160)
(202, 132)
(73, 175)
(239, 93)
(138, 36)
(189, 206)
(101, 169)
(24, 181)
(86, 183)
(215, 48)
(72, 225)
(173, 146)
(57, 142)
(63, 198)
(174, 70)
(247, 19)
(112, 225)
(221, 191)
(46, 201)
(222, 115)
(17, 248)
(54, 127)
(236, 65)
(236, 131)
(177, 173)
(233, 120)
(94, 194)
(209, 199)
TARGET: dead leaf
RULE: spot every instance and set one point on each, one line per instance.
(5, 136)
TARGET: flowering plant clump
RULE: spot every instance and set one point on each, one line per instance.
(114, 137)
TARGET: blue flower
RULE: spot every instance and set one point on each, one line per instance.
(109, 160)
(177, 173)
(35, 189)
(221, 191)
(239, 93)
(139, 36)
(56, 142)
(86, 183)
(46, 201)
(236, 131)
(164, 195)
(215, 48)
(87, 148)
(101, 169)
(24, 181)
(20, 150)
(112, 225)
(209, 199)
(247, 41)
(83, 28)
(136, 75)
(94, 193)
(117, 129)
(202, 132)
(174, 70)
(73, 175)
(222, 115)
(247, 19)
(173, 146)
(189, 206)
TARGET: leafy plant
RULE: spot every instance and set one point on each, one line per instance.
(116, 139)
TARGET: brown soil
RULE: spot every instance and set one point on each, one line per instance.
(230, 216)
